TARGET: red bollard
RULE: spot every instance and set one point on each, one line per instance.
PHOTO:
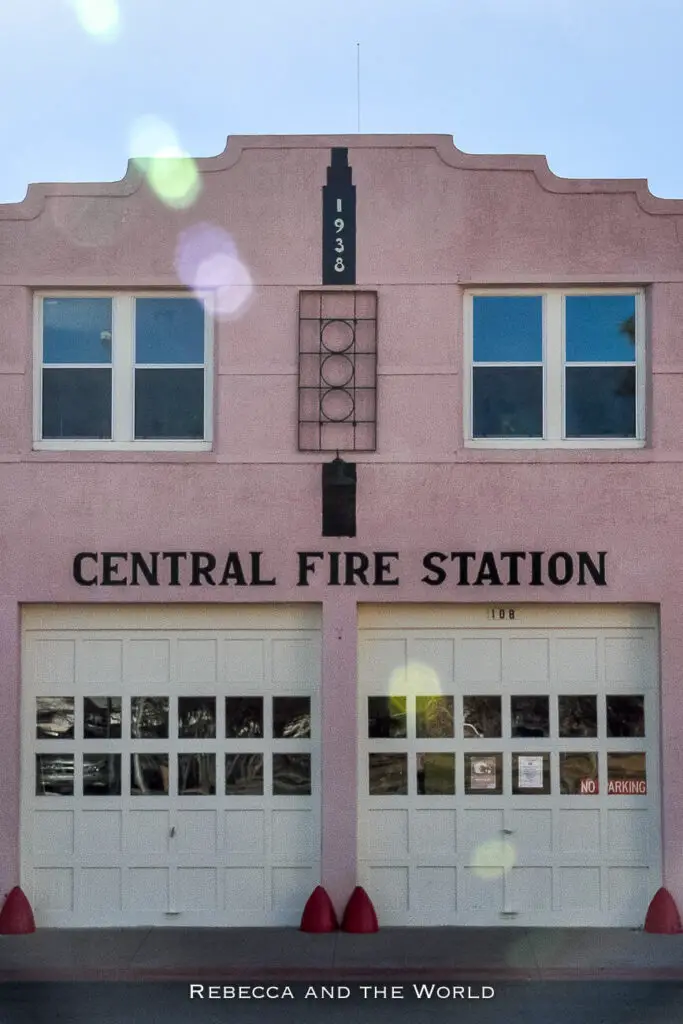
(662, 915)
(16, 916)
(360, 916)
(319, 915)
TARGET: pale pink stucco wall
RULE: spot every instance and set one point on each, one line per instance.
(431, 221)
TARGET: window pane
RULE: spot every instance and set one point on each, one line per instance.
(579, 774)
(386, 718)
(55, 718)
(508, 401)
(169, 331)
(481, 717)
(244, 774)
(508, 329)
(530, 716)
(578, 716)
(196, 774)
(291, 774)
(388, 774)
(436, 774)
(434, 716)
(197, 717)
(102, 775)
(530, 774)
(291, 717)
(148, 774)
(600, 328)
(601, 401)
(243, 717)
(102, 718)
(76, 330)
(626, 774)
(76, 404)
(483, 774)
(54, 775)
(625, 716)
(169, 404)
(149, 717)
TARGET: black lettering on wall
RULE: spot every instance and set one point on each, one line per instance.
(596, 572)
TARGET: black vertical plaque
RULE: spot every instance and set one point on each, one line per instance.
(339, 222)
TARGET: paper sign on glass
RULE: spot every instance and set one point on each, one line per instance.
(530, 772)
(483, 773)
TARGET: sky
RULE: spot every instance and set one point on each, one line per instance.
(594, 85)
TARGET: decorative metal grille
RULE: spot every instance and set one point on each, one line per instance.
(337, 371)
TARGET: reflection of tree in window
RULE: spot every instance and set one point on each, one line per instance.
(149, 717)
(196, 774)
(244, 774)
(243, 717)
(291, 717)
(434, 716)
(197, 717)
(481, 717)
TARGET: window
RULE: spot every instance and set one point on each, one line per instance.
(555, 368)
(123, 371)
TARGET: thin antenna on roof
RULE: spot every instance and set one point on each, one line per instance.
(358, 81)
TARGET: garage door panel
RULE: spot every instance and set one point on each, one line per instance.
(526, 660)
(244, 889)
(530, 889)
(197, 661)
(480, 827)
(532, 834)
(386, 837)
(243, 661)
(99, 661)
(381, 662)
(479, 660)
(53, 661)
(53, 835)
(433, 834)
(579, 890)
(391, 886)
(628, 836)
(434, 890)
(575, 660)
(100, 834)
(579, 833)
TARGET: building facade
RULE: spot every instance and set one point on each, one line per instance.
(340, 498)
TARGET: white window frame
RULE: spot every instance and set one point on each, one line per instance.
(123, 374)
(553, 321)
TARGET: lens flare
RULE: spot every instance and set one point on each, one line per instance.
(207, 260)
(414, 678)
(99, 18)
(171, 172)
(494, 858)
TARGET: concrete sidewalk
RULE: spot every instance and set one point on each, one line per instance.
(281, 955)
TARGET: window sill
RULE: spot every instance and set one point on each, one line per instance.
(122, 446)
(531, 444)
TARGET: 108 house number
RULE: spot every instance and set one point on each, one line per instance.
(500, 614)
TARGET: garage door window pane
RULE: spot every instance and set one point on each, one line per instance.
(626, 774)
(388, 774)
(197, 717)
(102, 718)
(55, 718)
(481, 717)
(102, 775)
(434, 717)
(149, 774)
(386, 718)
(625, 716)
(578, 774)
(149, 718)
(578, 716)
(291, 717)
(196, 774)
(291, 774)
(436, 774)
(530, 774)
(483, 774)
(243, 717)
(54, 775)
(530, 716)
(244, 774)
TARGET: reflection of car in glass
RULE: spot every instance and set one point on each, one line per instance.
(55, 775)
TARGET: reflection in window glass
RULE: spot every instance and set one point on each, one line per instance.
(388, 774)
(508, 328)
(197, 717)
(530, 773)
(483, 774)
(102, 718)
(386, 718)
(55, 718)
(102, 775)
(436, 774)
(291, 774)
(530, 716)
(243, 717)
(625, 716)
(54, 775)
(626, 774)
(578, 715)
(244, 774)
(600, 328)
(579, 773)
(508, 401)
(76, 404)
(149, 717)
(148, 774)
(434, 717)
(76, 330)
(481, 717)
(291, 717)
(169, 404)
(169, 330)
(600, 401)
(196, 774)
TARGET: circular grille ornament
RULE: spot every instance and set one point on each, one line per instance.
(337, 335)
(337, 405)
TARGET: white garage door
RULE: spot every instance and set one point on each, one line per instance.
(509, 767)
(171, 768)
